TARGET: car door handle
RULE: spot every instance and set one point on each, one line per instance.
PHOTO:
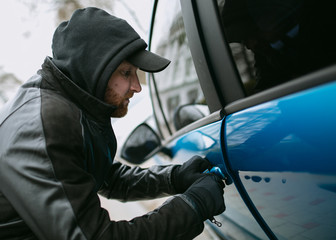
(216, 171)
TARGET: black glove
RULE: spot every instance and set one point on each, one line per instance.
(186, 174)
(207, 194)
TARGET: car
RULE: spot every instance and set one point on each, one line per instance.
(251, 87)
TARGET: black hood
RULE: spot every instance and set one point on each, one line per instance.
(91, 45)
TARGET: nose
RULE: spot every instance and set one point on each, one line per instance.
(136, 86)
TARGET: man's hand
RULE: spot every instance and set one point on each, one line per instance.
(207, 194)
(183, 176)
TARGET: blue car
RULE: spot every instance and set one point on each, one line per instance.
(251, 87)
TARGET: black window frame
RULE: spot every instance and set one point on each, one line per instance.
(220, 81)
(211, 55)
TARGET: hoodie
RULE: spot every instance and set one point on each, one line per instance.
(91, 45)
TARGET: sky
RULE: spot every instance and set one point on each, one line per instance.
(25, 38)
(26, 35)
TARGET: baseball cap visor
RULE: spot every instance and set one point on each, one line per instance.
(148, 61)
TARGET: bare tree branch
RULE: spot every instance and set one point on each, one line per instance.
(133, 14)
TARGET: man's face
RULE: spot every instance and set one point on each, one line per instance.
(121, 87)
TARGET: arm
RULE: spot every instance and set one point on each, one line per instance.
(175, 219)
(127, 183)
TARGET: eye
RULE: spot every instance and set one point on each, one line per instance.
(126, 73)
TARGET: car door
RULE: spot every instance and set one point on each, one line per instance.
(277, 136)
(187, 122)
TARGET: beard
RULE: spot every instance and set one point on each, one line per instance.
(120, 102)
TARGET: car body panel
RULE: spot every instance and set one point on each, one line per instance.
(206, 141)
(298, 121)
(202, 141)
(283, 153)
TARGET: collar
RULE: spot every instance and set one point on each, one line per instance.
(92, 106)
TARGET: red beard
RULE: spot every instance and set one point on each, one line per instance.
(121, 103)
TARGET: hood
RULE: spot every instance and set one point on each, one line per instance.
(91, 45)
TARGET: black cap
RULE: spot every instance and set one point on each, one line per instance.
(148, 61)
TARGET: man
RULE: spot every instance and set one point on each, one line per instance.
(57, 145)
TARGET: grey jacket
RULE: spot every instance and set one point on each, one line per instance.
(56, 153)
(57, 146)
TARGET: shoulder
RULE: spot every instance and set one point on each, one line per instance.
(61, 119)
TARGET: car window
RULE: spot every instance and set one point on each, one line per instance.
(274, 42)
(178, 85)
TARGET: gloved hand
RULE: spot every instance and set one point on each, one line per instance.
(186, 174)
(207, 194)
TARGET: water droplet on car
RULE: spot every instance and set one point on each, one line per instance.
(267, 179)
(256, 179)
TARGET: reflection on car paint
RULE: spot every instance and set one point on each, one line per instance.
(274, 136)
(295, 204)
(288, 172)
(204, 142)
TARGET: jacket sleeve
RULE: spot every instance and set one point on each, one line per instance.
(175, 219)
(127, 183)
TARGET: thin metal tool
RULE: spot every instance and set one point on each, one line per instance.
(217, 172)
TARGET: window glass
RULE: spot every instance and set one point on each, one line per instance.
(177, 85)
(275, 41)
